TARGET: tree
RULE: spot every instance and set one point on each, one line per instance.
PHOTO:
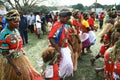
(22, 5)
(1, 2)
(108, 6)
(79, 7)
(118, 7)
(98, 5)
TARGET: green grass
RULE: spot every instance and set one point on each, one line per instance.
(85, 70)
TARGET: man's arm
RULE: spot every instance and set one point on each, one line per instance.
(52, 41)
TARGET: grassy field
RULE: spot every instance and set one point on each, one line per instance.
(85, 70)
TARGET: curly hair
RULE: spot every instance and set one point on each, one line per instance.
(48, 54)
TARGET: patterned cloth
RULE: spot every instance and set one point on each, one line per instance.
(60, 33)
(12, 41)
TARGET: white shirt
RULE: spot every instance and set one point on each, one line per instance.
(38, 24)
(30, 19)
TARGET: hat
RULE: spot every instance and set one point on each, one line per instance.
(65, 13)
(12, 14)
(75, 12)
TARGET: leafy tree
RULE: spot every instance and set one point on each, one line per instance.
(1, 2)
(79, 7)
(98, 5)
(108, 6)
(22, 5)
(118, 7)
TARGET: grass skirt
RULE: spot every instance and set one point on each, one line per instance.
(8, 73)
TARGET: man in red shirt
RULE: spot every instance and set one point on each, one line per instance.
(58, 38)
(101, 19)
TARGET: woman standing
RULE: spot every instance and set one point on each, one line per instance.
(14, 63)
(58, 38)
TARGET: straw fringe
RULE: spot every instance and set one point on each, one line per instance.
(8, 73)
(106, 29)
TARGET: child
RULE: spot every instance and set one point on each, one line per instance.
(49, 57)
(103, 48)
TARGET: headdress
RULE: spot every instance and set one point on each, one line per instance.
(75, 12)
(65, 13)
(12, 14)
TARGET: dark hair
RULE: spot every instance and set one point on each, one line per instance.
(85, 14)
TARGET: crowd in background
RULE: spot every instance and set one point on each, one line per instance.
(72, 33)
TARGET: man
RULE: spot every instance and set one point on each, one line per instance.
(58, 38)
(31, 22)
(23, 26)
(101, 19)
(38, 24)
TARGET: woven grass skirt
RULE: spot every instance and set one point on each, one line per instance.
(8, 73)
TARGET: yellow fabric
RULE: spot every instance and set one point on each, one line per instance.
(85, 23)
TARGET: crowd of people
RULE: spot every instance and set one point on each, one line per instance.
(71, 35)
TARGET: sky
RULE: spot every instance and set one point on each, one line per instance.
(84, 2)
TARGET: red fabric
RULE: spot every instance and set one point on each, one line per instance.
(106, 37)
(16, 44)
(57, 25)
(1, 42)
(77, 25)
(39, 78)
(103, 48)
(117, 69)
(101, 16)
(91, 21)
(109, 63)
(109, 66)
(80, 16)
(56, 72)
(62, 37)
(84, 29)
(54, 29)
(0, 19)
